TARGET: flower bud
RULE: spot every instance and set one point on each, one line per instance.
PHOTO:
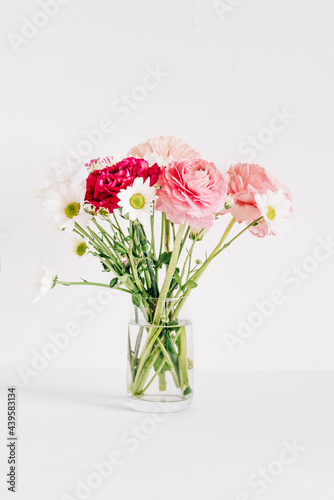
(197, 234)
(103, 213)
(229, 202)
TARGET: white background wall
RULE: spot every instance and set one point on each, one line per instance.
(224, 78)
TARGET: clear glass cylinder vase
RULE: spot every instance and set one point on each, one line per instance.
(160, 356)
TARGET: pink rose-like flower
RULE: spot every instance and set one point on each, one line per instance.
(244, 182)
(163, 150)
(192, 191)
(104, 185)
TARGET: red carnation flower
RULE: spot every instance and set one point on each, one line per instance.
(104, 185)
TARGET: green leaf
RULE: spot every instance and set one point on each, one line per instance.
(113, 282)
(104, 256)
(120, 248)
(178, 277)
(172, 287)
(171, 351)
(164, 259)
(187, 391)
(123, 279)
(190, 284)
(136, 299)
(158, 363)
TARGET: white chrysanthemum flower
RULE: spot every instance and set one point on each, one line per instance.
(154, 158)
(47, 279)
(136, 200)
(80, 246)
(276, 209)
(100, 163)
(65, 173)
(64, 205)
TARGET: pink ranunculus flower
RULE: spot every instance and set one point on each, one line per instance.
(162, 150)
(192, 191)
(244, 182)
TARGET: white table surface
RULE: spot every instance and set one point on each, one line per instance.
(239, 422)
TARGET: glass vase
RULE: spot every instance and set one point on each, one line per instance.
(160, 356)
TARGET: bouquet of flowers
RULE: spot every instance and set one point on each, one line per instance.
(142, 216)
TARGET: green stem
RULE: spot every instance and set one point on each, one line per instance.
(118, 225)
(162, 381)
(183, 359)
(146, 352)
(217, 250)
(163, 220)
(140, 241)
(138, 282)
(79, 230)
(155, 328)
(254, 223)
(150, 271)
(160, 367)
(223, 238)
(173, 229)
(140, 380)
(190, 253)
(152, 233)
(184, 239)
(104, 249)
(169, 274)
(70, 283)
(167, 235)
(100, 246)
(104, 232)
(137, 345)
(170, 362)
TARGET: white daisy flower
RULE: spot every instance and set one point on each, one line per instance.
(63, 204)
(276, 209)
(47, 279)
(65, 173)
(80, 246)
(154, 158)
(136, 200)
(100, 163)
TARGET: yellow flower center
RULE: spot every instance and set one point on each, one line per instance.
(271, 214)
(72, 209)
(81, 249)
(137, 201)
